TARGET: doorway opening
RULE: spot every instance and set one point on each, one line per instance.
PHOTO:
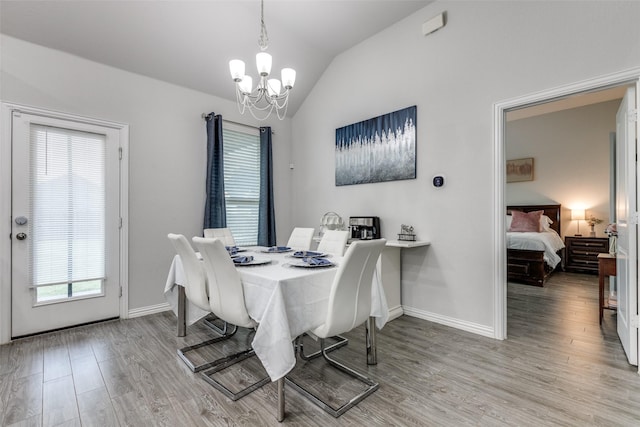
(626, 78)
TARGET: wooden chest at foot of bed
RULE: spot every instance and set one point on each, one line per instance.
(582, 253)
(526, 267)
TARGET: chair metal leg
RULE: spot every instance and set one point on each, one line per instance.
(340, 342)
(373, 386)
(224, 363)
(224, 330)
(197, 368)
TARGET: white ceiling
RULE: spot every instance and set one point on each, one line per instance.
(569, 102)
(189, 43)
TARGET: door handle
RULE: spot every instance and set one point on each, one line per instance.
(21, 236)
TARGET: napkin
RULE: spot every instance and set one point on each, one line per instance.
(316, 261)
(243, 259)
(278, 248)
(306, 254)
(231, 249)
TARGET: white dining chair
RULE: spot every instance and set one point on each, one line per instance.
(226, 301)
(349, 307)
(196, 292)
(223, 234)
(301, 238)
(334, 242)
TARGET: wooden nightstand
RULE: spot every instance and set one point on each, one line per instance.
(582, 253)
(607, 267)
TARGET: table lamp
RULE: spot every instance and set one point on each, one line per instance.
(578, 214)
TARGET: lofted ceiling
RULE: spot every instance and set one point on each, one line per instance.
(189, 43)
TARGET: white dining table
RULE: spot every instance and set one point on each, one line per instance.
(286, 301)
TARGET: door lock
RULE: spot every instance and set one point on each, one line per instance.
(21, 236)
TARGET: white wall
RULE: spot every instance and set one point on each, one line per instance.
(167, 147)
(487, 52)
(571, 151)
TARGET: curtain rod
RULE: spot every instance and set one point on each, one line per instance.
(205, 115)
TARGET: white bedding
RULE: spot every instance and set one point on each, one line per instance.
(548, 241)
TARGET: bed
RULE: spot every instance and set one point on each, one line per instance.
(532, 257)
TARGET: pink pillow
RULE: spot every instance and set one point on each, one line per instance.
(526, 221)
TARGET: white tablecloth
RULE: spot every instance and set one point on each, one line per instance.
(286, 302)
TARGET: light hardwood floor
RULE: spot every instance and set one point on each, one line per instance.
(558, 367)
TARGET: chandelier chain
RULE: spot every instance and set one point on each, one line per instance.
(263, 41)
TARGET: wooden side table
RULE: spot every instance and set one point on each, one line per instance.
(606, 267)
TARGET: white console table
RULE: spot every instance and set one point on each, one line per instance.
(390, 271)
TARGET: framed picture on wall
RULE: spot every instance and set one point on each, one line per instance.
(379, 149)
(519, 170)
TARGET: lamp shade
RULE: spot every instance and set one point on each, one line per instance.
(577, 214)
(246, 85)
(273, 87)
(236, 67)
(263, 62)
(288, 77)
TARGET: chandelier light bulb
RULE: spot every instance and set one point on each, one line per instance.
(288, 77)
(236, 67)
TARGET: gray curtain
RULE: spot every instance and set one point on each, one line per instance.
(267, 217)
(215, 209)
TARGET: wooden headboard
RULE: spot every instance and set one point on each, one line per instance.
(552, 211)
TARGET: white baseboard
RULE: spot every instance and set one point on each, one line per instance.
(151, 309)
(475, 328)
(395, 312)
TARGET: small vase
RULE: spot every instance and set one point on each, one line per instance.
(593, 231)
(613, 242)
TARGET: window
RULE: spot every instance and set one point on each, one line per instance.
(242, 182)
(67, 213)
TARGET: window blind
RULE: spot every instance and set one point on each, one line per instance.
(67, 206)
(241, 151)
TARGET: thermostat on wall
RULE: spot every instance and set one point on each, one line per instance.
(438, 181)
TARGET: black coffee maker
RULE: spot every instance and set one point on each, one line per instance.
(364, 227)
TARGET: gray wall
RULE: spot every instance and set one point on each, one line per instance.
(167, 146)
(571, 161)
(488, 52)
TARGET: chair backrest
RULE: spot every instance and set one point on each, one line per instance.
(225, 286)
(301, 238)
(350, 297)
(196, 287)
(223, 234)
(334, 242)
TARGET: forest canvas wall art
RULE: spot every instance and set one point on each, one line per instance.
(379, 149)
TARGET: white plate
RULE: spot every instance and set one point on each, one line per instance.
(318, 255)
(274, 251)
(240, 250)
(305, 265)
(255, 261)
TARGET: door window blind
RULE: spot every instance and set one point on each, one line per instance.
(67, 206)
(242, 184)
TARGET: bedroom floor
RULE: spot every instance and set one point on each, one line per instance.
(558, 368)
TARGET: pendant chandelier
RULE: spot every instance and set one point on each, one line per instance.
(269, 94)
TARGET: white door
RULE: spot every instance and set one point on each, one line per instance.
(65, 223)
(626, 208)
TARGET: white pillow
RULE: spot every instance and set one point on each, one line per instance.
(509, 218)
(545, 223)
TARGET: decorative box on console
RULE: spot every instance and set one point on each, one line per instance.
(406, 233)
